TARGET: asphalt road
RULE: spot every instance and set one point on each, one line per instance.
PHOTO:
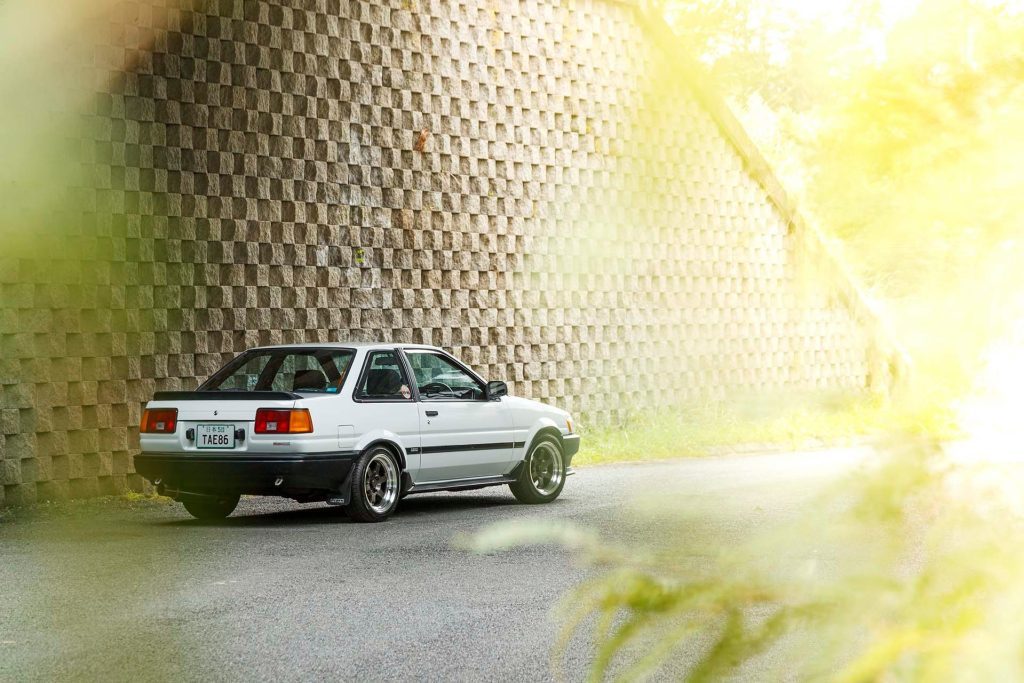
(280, 591)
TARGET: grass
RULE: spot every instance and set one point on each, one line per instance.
(710, 429)
(145, 498)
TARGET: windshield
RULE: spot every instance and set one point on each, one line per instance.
(303, 370)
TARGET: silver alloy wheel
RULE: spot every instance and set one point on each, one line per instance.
(546, 469)
(380, 483)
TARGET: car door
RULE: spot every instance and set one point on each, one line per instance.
(462, 434)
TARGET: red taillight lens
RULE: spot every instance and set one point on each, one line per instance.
(277, 421)
(159, 421)
(269, 421)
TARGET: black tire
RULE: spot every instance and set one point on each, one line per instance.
(542, 476)
(376, 486)
(211, 508)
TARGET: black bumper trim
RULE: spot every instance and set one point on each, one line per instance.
(250, 473)
(571, 444)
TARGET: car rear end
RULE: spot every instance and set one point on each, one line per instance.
(233, 440)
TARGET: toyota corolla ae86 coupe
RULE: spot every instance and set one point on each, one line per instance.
(356, 425)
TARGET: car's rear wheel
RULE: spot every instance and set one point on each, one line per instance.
(376, 486)
(542, 477)
(210, 507)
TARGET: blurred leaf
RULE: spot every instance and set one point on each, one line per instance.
(508, 535)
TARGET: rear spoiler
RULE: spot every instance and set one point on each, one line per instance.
(229, 395)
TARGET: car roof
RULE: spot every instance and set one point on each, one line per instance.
(349, 345)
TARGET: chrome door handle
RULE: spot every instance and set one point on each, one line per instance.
(431, 413)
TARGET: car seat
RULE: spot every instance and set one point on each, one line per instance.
(383, 382)
(313, 379)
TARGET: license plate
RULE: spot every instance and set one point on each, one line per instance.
(215, 436)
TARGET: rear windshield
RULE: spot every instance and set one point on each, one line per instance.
(314, 370)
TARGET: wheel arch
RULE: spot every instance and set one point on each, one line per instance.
(392, 446)
(545, 428)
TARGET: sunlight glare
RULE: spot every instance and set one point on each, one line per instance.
(991, 416)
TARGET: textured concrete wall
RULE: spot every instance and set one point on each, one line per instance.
(537, 189)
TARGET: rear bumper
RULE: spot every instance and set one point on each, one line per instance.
(254, 474)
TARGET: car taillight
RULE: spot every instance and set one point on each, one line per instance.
(159, 421)
(283, 421)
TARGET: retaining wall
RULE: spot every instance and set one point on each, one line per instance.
(545, 191)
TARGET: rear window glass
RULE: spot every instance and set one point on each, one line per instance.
(314, 370)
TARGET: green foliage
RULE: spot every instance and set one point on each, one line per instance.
(134, 498)
(905, 572)
(900, 134)
(788, 422)
(897, 127)
(508, 535)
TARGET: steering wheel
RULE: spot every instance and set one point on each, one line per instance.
(426, 388)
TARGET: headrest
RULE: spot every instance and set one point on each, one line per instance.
(309, 379)
(383, 382)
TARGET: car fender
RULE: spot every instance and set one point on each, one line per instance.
(388, 438)
(541, 424)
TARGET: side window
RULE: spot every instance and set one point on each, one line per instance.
(383, 379)
(438, 378)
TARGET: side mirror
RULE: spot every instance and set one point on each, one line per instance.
(496, 390)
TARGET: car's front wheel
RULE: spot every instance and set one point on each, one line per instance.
(376, 486)
(543, 473)
(210, 507)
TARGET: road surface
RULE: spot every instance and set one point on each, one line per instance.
(280, 591)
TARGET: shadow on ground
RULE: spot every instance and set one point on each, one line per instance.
(412, 507)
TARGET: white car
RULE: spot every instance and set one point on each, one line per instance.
(357, 425)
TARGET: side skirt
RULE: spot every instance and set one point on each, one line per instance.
(410, 488)
(461, 484)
